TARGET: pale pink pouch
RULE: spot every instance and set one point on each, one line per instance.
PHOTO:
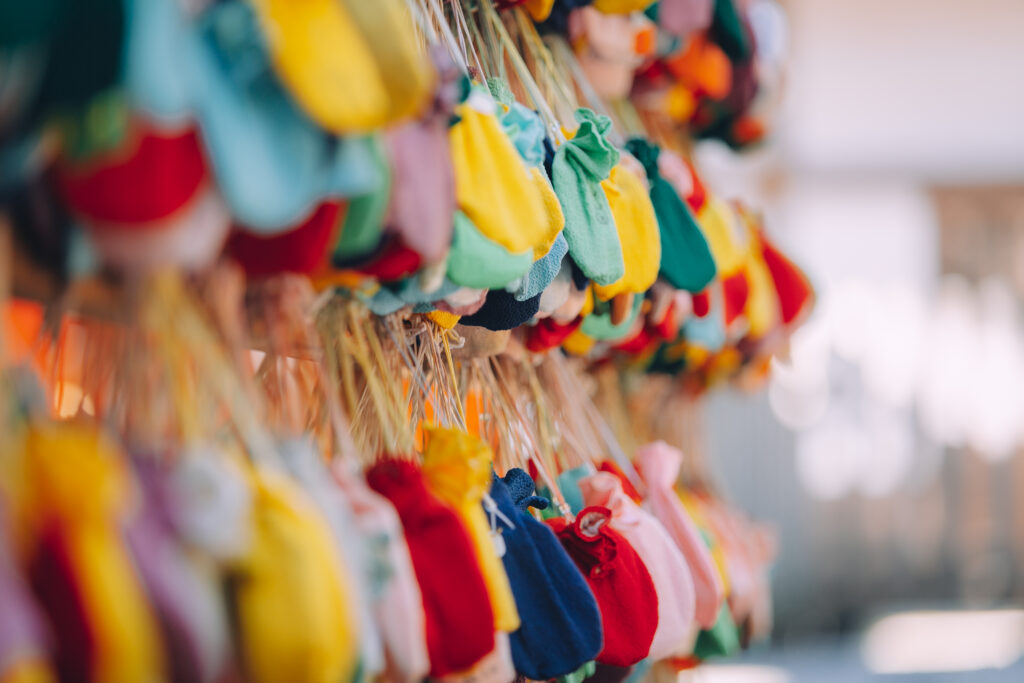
(684, 17)
(765, 548)
(610, 57)
(659, 464)
(191, 238)
(676, 172)
(633, 165)
(422, 203)
(397, 603)
(747, 557)
(422, 186)
(665, 563)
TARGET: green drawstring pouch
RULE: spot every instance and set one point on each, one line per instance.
(480, 263)
(25, 23)
(579, 675)
(569, 485)
(364, 220)
(599, 323)
(81, 48)
(686, 260)
(721, 640)
(728, 31)
(579, 166)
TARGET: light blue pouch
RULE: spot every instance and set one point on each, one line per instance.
(272, 164)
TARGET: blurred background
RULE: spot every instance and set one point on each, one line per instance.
(888, 448)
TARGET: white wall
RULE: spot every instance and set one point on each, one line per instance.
(932, 88)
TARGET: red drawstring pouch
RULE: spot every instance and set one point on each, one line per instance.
(155, 175)
(793, 288)
(549, 333)
(619, 580)
(735, 290)
(303, 249)
(459, 617)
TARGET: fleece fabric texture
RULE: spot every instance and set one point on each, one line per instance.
(579, 166)
(555, 604)
(659, 465)
(542, 272)
(493, 186)
(459, 617)
(637, 226)
(666, 564)
(686, 260)
(394, 296)
(457, 469)
(526, 131)
(619, 581)
(502, 311)
(552, 209)
(480, 263)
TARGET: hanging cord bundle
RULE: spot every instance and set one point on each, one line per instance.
(433, 387)
(160, 376)
(570, 393)
(301, 393)
(505, 423)
(366, 366)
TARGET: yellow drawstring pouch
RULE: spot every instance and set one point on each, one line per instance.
(762, 309)
(539, 10)
(291, 591)
(622, 6)
(552, 209)
(72, 494)
(492, 184)
(637, 226)
(696, 512)
(408, 74)
(457, 469)
(578, 343)
(716, 219)
(326, 63)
